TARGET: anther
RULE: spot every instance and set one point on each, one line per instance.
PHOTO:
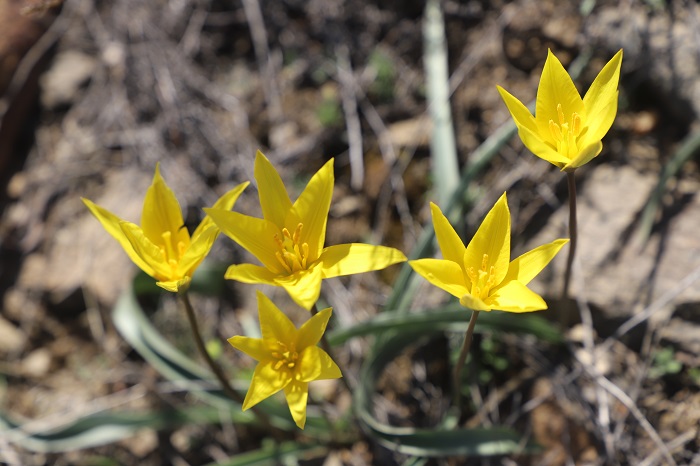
(297, 233)
(484, 262)
(576, 124)
(560, 114)
(554, 129)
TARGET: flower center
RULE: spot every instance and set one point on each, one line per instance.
(565, 133)
(286, 357)
(482, 279)
(171, 252)
(292, 254)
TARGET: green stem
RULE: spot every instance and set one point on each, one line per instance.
(457, 375)
(223, 381)
(573, 234)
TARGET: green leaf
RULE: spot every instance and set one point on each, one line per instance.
(438, 442)
(451, 318)
(102, 428)
(275, 454)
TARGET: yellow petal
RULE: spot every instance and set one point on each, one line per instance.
(249, 273)
(349, 259)
(274, 325)
(555, 88)
(474, 303)
(315, 364)
(450, 243)
(444, 274)
(329, 369)
(304, 287)
(162, 214)
(198, 250)
(601, 99)
(225, 202)
(111, 222)
(540, 148)
(149, 252)
(274, 199)
(516, 297)
(491, 239)
(312, 209)
(175, 286)
(311, 332)
(527, 266)
(266, 382)
(518, 111)
(297, 394)
(586, 155)
(253, 347)
(256, 235)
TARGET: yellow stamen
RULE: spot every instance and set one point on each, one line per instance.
(560, 114)
(576, 124)
(292, 254)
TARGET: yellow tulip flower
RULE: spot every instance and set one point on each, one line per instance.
(482, 275)
(162, 246)
(289, 240)
(567, 130)
(288, 358)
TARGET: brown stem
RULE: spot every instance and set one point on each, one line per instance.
(457, 375)
(225, 385)
(571, 181)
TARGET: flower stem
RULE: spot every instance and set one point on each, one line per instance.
(573, 235)
(225, 385)
(457, 375)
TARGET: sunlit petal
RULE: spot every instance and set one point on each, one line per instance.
(600, 100)
(253, 347)
(274, 199)
(474, 303)
(555, 88)
(527, 266)
(175, 286)
(198, 250)
(256, 235)
(304, 287)
(266, 382)
(585, 155)
(225, 202)
(315, 364)
(516, 297)
(492, 239)
(311, 332)
(518, 111)
(149, 252)
(451, 245)
(541, 149)
(111, 222)
(274, 325)
(348, 259)
(312, 208)
(162, 214)
(297, 394)
(249, 273)
(444, 274)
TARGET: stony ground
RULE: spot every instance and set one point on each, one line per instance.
(95, 93)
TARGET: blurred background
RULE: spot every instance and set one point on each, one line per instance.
(93, 94)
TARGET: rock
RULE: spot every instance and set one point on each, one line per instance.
(615, 272)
